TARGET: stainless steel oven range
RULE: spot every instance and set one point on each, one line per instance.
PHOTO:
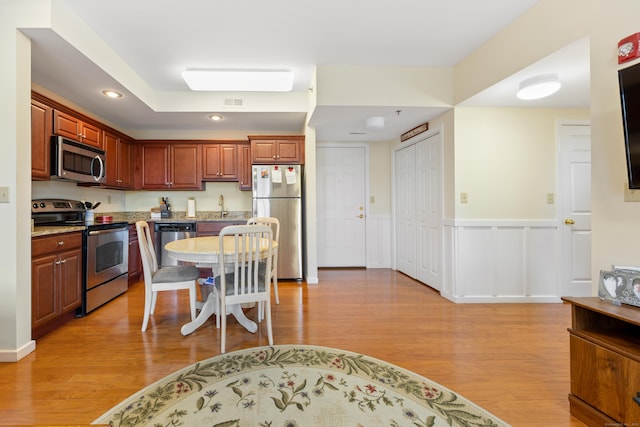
(105, 249)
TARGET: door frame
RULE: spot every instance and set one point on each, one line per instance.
(364, 145)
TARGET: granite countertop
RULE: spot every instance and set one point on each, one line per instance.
(132, 217)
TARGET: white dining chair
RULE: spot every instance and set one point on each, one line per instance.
(245, 279)
(274, 223)
(164, 278)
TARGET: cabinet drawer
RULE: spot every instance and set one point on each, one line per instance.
(49, 244)
(605, 379)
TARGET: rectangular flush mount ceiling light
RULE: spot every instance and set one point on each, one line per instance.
(239, 80)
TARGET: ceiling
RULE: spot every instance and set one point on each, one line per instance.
(157, 39)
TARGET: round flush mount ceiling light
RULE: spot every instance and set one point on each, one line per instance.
(374, 123)
(215, 117)
(111, 93)
(538, 87)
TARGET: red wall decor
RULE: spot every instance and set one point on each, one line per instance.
(628, 48)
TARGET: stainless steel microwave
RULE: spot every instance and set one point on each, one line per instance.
(73, 161)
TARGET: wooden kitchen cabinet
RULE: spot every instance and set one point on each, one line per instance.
(213, 228)
(74, 128)
(169, 166)
(41, 125)
(56, 281)
(220, 162)
(605, 362)
(118, 161)
(272, 149)
(135, 262)
(244, 167)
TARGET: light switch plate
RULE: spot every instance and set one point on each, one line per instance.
(4, 194)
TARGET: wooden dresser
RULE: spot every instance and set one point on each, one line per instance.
(605, 362)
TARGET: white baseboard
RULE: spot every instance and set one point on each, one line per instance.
(15, 355)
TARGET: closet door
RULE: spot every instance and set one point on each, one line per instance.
(428, 200)
(405, 211)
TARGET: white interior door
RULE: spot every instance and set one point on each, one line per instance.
(575, 187)
(405, 210)
(341, 190)
(428, 198)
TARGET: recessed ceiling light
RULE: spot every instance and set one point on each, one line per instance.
(215, 117)
(239, 80)
(112, 93)
(538, 87)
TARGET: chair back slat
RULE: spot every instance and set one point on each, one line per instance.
(252, 248)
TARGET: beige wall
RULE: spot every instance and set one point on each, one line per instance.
(506, 162)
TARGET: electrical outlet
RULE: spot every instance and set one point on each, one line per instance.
(464, 198)
(4, 194)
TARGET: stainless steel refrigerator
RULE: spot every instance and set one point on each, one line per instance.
(277, 192)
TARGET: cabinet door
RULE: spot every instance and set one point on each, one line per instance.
(211, 162)
(229, 162)
(124, 163)
(605, 379)
(67, 125)
(41, 118)
(111, 143)
(70, 280)
(263, 152)
(118, 161)
(154, 160)
(92, 135)
(135, 263)
(185, 166)
(289, 151)
(244, 164)
(44, 296)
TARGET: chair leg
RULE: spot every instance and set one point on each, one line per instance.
(147, 309)
(267, 305)
(275, 286)
(154, 299)
(223, 332)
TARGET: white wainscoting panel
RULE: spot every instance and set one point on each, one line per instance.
(501, 261)
(379, 244)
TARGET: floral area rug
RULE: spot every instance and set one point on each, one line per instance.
(288, 386)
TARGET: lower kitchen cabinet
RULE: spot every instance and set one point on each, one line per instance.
(135, 262)
(56, 281)
(605, 362)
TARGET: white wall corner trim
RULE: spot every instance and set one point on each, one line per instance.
(16, 355)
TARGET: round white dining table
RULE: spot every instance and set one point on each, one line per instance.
(205, 252)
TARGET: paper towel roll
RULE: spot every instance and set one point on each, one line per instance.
(191, 208)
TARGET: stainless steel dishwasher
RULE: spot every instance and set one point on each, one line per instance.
(166, 232)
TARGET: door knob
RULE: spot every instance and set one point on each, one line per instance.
(569, 221)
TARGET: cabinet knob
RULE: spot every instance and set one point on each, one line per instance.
(61, 243)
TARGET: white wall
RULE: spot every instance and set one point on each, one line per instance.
(505, 160)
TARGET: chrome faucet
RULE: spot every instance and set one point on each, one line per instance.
(221, 204)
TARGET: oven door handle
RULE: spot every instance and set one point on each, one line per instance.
(108, 231)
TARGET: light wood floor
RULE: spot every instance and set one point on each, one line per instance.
(512, 359)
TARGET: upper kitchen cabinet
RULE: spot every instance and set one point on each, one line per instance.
(41, 121)
(274, 149)
(74, 128)
(168, 166)
(219, 161)
(244, 167)
(118, 161)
